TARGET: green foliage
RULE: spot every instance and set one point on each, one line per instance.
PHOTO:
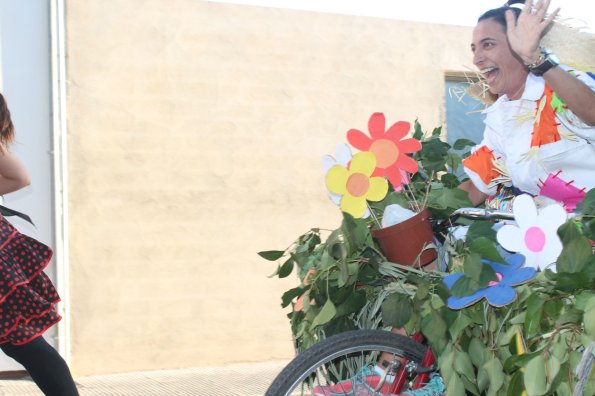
(341, 271)
(435, 185)
(345, 288)
(532, 345)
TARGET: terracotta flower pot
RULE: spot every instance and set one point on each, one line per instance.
(402, 243)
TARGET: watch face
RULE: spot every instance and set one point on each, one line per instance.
(549, 61)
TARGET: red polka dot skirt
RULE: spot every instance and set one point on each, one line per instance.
(27, 296)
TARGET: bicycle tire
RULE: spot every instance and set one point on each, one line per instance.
(292, 380)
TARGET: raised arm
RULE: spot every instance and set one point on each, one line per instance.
(524, 35)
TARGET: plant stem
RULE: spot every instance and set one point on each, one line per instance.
(374, 216)
(505, 320)
(411, 196)
(427, 193)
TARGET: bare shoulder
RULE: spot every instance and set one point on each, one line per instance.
(11, 167)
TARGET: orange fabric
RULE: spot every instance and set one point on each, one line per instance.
(545, 129)
(481, 162)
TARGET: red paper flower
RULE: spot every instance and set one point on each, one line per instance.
(389, 147)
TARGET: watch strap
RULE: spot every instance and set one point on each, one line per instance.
(545, 62)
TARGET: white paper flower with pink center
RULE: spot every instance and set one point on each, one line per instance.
(535, 233)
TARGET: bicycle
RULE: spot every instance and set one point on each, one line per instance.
(347, 355)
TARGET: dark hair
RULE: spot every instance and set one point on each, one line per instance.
(499, 14)
(6, 126)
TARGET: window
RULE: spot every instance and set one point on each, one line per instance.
(464, 119)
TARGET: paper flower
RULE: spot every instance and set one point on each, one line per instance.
(356, 185)
(556, 188)
(534, 234)
(389, 148)
(498, 293)
(343, 158)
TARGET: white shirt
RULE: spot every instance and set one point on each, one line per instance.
(509, 131)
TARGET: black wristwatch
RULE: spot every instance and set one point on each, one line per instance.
(546, 61)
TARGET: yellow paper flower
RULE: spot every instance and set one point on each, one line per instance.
(355, 184)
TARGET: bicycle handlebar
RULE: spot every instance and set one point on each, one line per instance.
(471, 213)
(482, 213)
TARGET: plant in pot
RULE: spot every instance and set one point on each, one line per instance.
(344, 273)
(403, 191)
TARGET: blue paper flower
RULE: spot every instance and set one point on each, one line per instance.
(498, 293)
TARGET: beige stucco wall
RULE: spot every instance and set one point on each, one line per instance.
(195, 136)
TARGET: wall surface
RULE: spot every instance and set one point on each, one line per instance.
(196, 132)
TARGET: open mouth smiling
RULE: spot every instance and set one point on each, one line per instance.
(489, 73)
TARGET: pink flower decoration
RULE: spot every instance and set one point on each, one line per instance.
(562, 191)
(389, 147)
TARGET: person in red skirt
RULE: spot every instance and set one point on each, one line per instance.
(27, 296)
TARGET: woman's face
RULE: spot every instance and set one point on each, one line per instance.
(503, 70)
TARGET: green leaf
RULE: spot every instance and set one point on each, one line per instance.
(495, 373)
(479, 272)
(587, 206)
(552, 310)
(534, 376)
(486, 248)
(583, 299)
(568, 282)
(418, 134)
(575, 256)
(434, 328)
(446, 363)
(449, 180)
(447, 199)
(326, 314)
(271, 255)
(479, 229)
(552, 368)
(460, 144)
(433, 154)
(326, 260)
(436, 132)
(463, 365)
(354, 303)
(483, 381)
(477, 352)
(507, 337)
(285, 269)
(455, 385)
(570, 316)
(290, 294)
(460, 324)
(516, 385)
(569, 231)
(454, 161)
(589, 317)
(356, 232)
(464, 286)
(396, 310)
(518, 319)
(534, 311)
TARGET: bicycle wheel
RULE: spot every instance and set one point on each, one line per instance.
(340, 357)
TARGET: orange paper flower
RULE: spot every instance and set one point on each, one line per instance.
(389, 148)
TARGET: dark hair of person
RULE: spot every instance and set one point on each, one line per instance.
(499, 14)
(6, 126)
